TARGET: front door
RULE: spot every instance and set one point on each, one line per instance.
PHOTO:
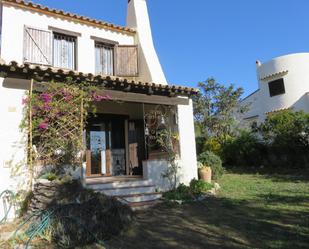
(105, 155)
(98, 159)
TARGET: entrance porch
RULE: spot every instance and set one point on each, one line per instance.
(122, 154)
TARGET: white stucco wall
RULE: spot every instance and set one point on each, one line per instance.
(150, 69)
(14, 20)
(188, 163)
(12, 141)
(294, 69)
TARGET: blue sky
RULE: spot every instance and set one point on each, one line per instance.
(197, 39)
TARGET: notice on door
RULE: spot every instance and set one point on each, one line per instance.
(98, 147)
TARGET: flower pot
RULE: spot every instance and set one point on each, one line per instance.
(205, 174)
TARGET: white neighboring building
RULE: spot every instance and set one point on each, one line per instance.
(39, 42)
(283, 84)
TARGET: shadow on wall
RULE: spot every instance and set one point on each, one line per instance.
(302, 103)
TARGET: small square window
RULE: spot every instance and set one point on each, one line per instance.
(276, 87)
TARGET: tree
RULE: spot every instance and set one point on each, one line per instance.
(215, 109)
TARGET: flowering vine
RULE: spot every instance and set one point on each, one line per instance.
(58, 113)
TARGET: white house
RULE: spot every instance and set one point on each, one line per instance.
(283, 84)
(39, 43)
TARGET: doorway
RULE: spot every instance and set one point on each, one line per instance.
(106, 147)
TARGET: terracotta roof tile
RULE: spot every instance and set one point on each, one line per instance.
(41, 73)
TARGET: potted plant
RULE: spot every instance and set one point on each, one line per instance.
(210, 166)
(204, 172)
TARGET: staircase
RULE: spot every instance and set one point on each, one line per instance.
(136, 192)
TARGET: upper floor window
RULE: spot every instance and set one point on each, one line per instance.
(104, 58)
(58, 48)
(64, 51)
(276, 87)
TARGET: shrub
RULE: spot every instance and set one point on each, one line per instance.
(182, 192)
(244, 150)
(213, 145)
(213, 161)
(198, 187)
(50, 176)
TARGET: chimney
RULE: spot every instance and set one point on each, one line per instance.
(150, 69)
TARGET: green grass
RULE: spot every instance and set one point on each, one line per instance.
(251, 211)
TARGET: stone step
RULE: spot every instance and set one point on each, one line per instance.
(130, 190)
(98, 185)
(133, 198)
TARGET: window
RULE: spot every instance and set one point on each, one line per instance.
(276, 87)
(104, 58)
(64, 51)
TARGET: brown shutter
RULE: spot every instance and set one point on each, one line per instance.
(126, 61)
(37, 46)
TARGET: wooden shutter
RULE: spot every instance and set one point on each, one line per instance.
(37, 46)
(126, 61)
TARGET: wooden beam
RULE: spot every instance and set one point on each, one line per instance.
(142, 98)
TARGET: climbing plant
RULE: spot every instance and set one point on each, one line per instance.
(54, 115)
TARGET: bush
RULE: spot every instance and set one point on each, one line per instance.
(182, 192)
(281, 141)
(213, 161)
(50, 176)
(213, 145)
(198, 187)
(244, 150)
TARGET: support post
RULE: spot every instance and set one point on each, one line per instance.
(30, 136)
(82, 138)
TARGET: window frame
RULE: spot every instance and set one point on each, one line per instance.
(109, 44)
(75, 54)
(274, 90)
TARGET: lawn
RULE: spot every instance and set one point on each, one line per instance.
(252, 211)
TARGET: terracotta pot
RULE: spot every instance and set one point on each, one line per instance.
(205, 174)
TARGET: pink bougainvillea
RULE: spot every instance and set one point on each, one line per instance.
(43, 126)
(46, 97)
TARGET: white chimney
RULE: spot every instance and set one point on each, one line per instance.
(150, 69)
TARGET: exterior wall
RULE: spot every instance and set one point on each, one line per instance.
(293, 69)
(153, 170)
(12, 141)
(188, 163)
(13, 32)
(150, 67)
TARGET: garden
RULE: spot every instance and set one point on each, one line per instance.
(252, 191)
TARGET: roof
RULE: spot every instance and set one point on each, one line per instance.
(279, 110)
(44, 74)
(70, 16)
(274, 75)
(250, 95)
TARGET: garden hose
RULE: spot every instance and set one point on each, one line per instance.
(37, 228)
